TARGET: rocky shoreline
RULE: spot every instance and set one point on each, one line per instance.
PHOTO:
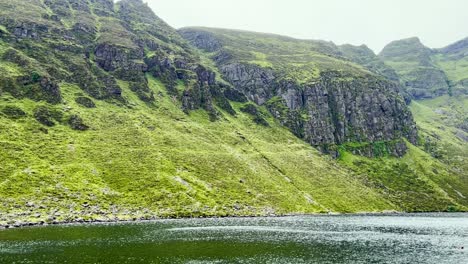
(130, 219)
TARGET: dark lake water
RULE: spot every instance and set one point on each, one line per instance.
(422, 238)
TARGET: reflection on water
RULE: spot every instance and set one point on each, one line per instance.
(422, 238)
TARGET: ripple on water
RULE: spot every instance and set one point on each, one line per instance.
(422, 238)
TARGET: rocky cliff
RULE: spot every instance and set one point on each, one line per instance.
(99, 47)
(321, 97)
(107, 113)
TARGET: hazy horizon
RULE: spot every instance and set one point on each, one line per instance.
(373, 23)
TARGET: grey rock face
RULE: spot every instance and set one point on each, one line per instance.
(76, 123)
(333, 111)
(360, 110)
(112, 58)
(51, 90)
(427, 83)
(336, 109)
(255, 82)
(201, 87)
(25, 29)
(202, 39)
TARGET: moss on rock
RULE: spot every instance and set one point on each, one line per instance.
(47, 116)
(85, 101)
(13, 112)
(252, 110)
(76, 123)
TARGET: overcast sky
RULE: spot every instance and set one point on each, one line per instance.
(373, 22)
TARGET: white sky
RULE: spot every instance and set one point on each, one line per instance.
(372, 22)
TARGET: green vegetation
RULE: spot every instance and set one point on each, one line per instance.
(436, 170)
(456, 69)
(13, 112)
(429, 73)
(85, 101)
(295, 60)
(454, 61)
(142, 127)
(26, 10)
(443, 129)
(416, 182)
(156, 160)
(112, 32)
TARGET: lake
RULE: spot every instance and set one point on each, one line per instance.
(407, 238)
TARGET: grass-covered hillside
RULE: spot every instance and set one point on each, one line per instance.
(155, 160)
(418, 73)
(323, 97)
(453, 60)
(296, 60)
(429, 73)
(443, 127)
(107, 113)
(440, 158)
(143, 161)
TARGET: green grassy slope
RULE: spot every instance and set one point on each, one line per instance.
(443, 126)
(418, 72)
(293, 59)
(432, 175)
(141, 159)
(453, 60)
(155, 160)
(428, 73)
(417, 181)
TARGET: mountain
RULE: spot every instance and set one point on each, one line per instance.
(453, 60)
(428, 73)
(418, 73)
(107, 113)
(312, 90)
(367, 58)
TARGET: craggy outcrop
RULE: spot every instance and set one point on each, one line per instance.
(338, 108)
(104, 50)
(94, 45)
(121, 60)
(333, 111)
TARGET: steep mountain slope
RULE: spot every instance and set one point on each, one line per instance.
(107, 113)
(401, 180)
(366, 57)
(421, 77)
(90, 44)
(427, 73)
(453, 60)
(310, 88)
(443, 124)
(93, 126)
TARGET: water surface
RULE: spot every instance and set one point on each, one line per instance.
(421, 238)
